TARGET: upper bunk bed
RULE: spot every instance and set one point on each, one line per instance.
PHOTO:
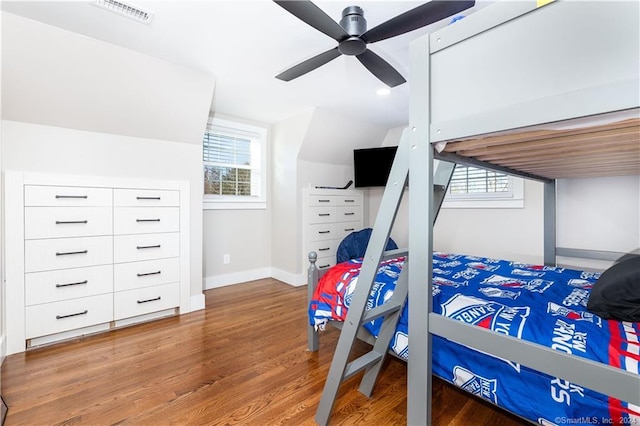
(541, 89)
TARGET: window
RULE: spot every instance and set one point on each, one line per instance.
(234, 160)
(472, 187)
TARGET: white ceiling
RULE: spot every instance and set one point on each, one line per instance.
(244, 44)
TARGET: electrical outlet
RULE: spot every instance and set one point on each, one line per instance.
(226, 259)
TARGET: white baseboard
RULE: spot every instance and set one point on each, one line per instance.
(254, 274)
(236, 278)
(295, 280)
(197, 302)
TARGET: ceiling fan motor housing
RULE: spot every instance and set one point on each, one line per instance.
(353, 21)
(355, 25)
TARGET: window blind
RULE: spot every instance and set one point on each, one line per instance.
(472, 180)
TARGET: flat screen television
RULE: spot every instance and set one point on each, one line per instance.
(372, 166)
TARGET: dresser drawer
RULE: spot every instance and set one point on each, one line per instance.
(57, 317)
(322, 231)
(325, 248)
(348, 200)
(46, 255)
(53, 286)
(60, 222)
(128, 276)
(145, 198)
(322, 200)
(145, 220)
(145, 300)
(322, 214)
(65, 196)
(348, 213)
(345, 228)
(133, 248)
(325, 262)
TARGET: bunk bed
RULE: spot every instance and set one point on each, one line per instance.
(539, 89)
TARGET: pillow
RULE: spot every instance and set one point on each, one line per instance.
(355, 244)
(616, 294)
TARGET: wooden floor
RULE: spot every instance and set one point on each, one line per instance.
(242, 361)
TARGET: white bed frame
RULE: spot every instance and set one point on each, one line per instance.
(511, 65)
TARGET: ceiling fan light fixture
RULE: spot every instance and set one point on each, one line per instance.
(125, 9)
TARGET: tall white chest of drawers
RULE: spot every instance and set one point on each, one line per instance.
(88, 254)
(328, 216)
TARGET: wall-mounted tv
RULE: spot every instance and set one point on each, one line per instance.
(372, 166)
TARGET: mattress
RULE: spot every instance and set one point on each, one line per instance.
(541, 304)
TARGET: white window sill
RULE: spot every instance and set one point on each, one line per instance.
(234, 205)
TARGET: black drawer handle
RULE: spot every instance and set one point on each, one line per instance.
(324, 249)
(147, 220)
(149, 300)
(349, 201)
(72, 315)
(324, 232)
(70, 284)
(149, 273)
(66, 222)
(72, 196)
(324, 266)
(324, 214)
(324, 201)
(147, 247)
(350, 229)
(349, 214)
(147, 198)
(65, 253)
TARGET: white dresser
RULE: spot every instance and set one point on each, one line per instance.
(88, 254)
(328, 216)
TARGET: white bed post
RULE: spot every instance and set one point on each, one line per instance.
(420, 238)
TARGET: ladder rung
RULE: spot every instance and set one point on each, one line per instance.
(390, 254)
(361, 363)
(380, 311)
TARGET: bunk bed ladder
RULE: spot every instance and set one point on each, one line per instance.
(371, 362)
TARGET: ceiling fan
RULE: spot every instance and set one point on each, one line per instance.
(352, 34)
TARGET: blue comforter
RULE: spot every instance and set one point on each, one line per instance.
(541, 304)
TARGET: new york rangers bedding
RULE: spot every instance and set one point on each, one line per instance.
(541, 304)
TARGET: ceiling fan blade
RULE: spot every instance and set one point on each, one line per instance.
(309, 65)
(314, 16)
(380, 68)
(413, 19)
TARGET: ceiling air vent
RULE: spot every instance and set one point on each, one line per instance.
(124, 9)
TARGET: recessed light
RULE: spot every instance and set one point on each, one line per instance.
(383, 92)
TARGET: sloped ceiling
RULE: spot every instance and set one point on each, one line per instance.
(59, 78)
(331, 138)
(244, 44)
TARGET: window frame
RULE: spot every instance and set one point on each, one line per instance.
(514, 198)
(239, 202)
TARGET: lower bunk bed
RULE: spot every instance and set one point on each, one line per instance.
(540, 304)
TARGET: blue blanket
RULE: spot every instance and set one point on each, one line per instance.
(541, 304)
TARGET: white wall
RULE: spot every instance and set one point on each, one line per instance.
(599, 214)
(515, 234)
(312, 149)
(245, 235)
(286, 210)
(75, 105)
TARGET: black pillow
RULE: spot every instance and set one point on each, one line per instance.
(616, 294)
